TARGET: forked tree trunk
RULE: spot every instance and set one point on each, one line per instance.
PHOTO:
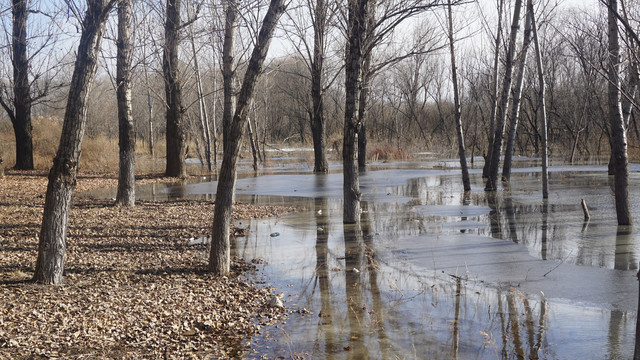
(355, 32)
(219, 256)
(515, 102)
(176, 132)
(466, 184)
(126, 125)
(494, 88)
(62, 177)
(22, 93)
(542, 104)
(501, 114)
(618, 132)
(318, 126)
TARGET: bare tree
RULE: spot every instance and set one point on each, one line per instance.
(318, 125)
(176, 127)
(494, 91)
(516, 97)
(618, 131)
(542, 103)
(504, 100)
(219, 256)
(21, 118)
(456, 103)
(62, 177)
(126, 195)
(357, 19)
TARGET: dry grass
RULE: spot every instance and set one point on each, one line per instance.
(387, 152)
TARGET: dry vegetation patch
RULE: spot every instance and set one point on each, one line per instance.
(133, 287)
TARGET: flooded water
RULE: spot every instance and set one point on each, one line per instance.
(428, 274)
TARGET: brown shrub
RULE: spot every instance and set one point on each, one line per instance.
(387, 152)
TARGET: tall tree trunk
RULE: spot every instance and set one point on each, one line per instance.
(365, 86)
(202, 106)
(494, 89)
(618, 132)
(219, 256)
(542, 104)
(176, 132)
(150, 108)
(501, 114)
(353, 66)
(127, 132)
(515, 102)
(228, 74)
(22, 95)
(318, 126)
(362, 107)
(456, 103)
(62, 177)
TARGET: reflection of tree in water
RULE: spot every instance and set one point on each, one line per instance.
(519, 336)
(322, 275)
(353, 256)
(372, 271)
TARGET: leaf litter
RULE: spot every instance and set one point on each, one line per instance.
(133, 287)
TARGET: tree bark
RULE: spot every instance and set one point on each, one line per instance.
(62, 177)
(176, 132)
(542, 103)
(318, 126)
(365, 86)
(227, 70)
(618, 132)
(22, 93)
(219, 256)
(494, 88)
(515, 102)
(456, 103)
(355, 32)
(501, 114)
(126, 195)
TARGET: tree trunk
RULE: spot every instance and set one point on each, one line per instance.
(22, 93)
(618, 133)
(254, 151)
(543, 106)
(456, 103)
(362, 107)
(219, 256)
(318, 126)
(227, 70)
(127, 133)
(176, 132)
(365, 86)
(150, 108)
(62, 177)
(515, 102)
(494, 88)
(501, 114)
(202, 106)
(353, 65)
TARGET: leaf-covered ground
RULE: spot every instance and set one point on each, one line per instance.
(133, 288)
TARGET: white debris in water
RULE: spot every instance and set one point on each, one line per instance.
(276, 302)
